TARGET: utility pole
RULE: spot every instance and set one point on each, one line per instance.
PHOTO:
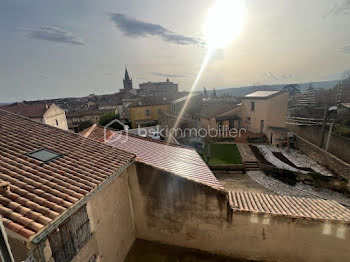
(5, 250)
(323, 126)
(329, 135)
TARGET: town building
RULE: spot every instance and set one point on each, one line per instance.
(127, 81)
(265, 111)
(163, 89)
(75, 119)
(49, 114)
(147, 111)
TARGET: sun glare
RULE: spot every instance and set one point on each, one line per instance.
(224, 22)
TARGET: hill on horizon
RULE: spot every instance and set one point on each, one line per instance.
(244, 90)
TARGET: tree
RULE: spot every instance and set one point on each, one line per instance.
(109, 117)
(84, 125)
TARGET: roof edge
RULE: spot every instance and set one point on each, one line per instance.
(44, 232)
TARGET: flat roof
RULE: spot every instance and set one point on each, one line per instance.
(263, 94)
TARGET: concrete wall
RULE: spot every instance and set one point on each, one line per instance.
(338, 145)
(53, 114)
(139, 113)
(324, 158)
(175, 211)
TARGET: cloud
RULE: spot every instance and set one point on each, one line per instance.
(132, 27)
(287, 76)
(340, 8)
(53, 34)
(269, 76)
(165, 75)
(345, 49)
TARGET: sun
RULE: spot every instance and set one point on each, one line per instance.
(224, 22)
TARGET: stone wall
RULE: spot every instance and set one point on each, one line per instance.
(173, 210)
(338, 145)
(324, 158)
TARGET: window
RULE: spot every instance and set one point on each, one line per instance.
(159, 110)
(248, 119)
(148, 113)
(56, 122)
(252, 106)
(44, 155)
(71, 236)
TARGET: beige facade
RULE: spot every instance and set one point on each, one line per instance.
(260, 113)
(147, 115)
(55, 116)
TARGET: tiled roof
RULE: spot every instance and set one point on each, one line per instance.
(297, 207)
(40, 193)
(176, 159)
(94, 112)
(210, 109)
(28, 110)
(97, 133)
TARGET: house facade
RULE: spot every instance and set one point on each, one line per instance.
(147, 114)
(51, 114)
(75, 119)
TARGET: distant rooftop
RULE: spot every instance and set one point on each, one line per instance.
(263, 94)
(28, 110)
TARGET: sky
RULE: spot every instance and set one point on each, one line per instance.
(66, 48)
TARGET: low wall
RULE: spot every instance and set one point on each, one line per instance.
(173, 210)
(237, 167)
(338, 145)
(323, 158)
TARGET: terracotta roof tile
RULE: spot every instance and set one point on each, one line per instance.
(177, 159)
(38, 193)
(297, 207)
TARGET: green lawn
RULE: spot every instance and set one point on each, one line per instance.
(342, 130)
(222, 154)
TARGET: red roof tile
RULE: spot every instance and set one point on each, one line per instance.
(39, 193)
(297, 207)
(179, 160)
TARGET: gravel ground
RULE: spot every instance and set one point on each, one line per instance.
(300, 190)
(297, 158)
(232, 181)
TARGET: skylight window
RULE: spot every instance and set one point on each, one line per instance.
(44, 155)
